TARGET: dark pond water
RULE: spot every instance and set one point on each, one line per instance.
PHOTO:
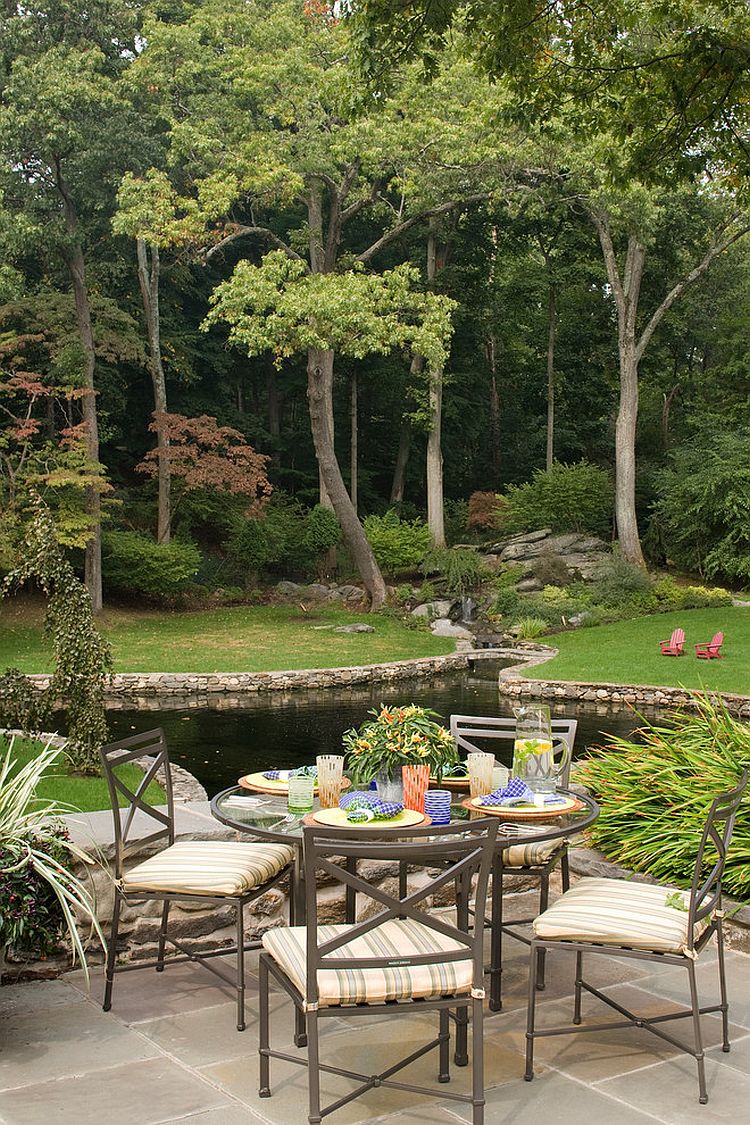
(220, 739)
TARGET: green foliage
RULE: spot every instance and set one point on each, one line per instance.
(655, 790)
(669, 595)
(461, 569)
(282, 537)
(704, 505)
(619, 581)
(509, 576)
(529, 628)
(22, 706)
(396, 737)
(567, 498)
(403, 594)
(134, 564)
(321, 531)
(456, 516)
(506, 602)
(31, 921)
(82, 657)
(398, 544)
(551, 569)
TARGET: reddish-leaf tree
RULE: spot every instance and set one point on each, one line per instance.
(203, 454)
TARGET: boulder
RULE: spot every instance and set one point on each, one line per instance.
(315, 592)
(579, 619)
(288, 589)
(350, 593)
(523, 538)
(357, 627)
(440, 608)
(443, 627)
(529, 586)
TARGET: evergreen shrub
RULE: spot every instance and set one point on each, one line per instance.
(566, 498)
(397, 544)
(461, 569)
(135, 564)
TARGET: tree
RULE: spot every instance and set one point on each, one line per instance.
(283, 308)
(203, 455)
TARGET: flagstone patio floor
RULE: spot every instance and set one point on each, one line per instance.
(168, 1052)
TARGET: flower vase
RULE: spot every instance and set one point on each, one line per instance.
(390, 789)
(416, 781)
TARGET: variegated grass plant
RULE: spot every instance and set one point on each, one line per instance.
(29, 830)
(655, 791)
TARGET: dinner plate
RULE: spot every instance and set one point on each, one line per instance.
(260, 784)
(455, 784)
(524, 812)
(336, 818)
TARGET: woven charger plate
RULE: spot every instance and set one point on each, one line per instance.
(336, 818)
(455, 784)
(572, 804)
(260, 784)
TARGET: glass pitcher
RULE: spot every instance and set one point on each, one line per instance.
(533, 754)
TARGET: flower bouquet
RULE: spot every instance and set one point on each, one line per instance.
(396, 737)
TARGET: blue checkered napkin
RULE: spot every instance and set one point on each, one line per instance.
(516, 792)
(382, 810)
(284, 775)
(277, 775)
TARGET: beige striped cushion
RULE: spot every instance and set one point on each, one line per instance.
(200, 867)
(392, 939)
(617, 912)
(531, 855)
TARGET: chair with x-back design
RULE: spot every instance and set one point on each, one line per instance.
(204, 871)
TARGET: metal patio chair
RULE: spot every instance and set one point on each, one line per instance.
(536, 861)
(217, 872)
(402, 960)
(649, 922)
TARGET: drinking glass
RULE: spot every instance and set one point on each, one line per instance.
(500, 777)
(416, 781)
(300, 797)
(437, 805)
(330, 776)
(480, 766)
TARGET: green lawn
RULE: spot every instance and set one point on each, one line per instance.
(236, 639)
(85, 794)
(628, 652)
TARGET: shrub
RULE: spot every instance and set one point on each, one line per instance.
(456, 515)
(403, 594)
(510, 574)
(487, 511)
(135, 564)
(655, 790)
(528, 628)
(551, 569)
(567, 498)
(22, 706)
(269, 539)
(461, 569)
(321, 531)
(398, 544)
(670, 596)
(506, 602)
(703, 509)
(618, 581)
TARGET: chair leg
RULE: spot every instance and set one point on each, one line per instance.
(477, 1062)
(162, 937)
(240, 967)
(300, 1035)
(496, 938)
(723, 988)
(565, 870)
(444, 1074)
(313, 1068)
(579, 978)
(461, 1056)
(543, 903)
(702, 1092)
(531, 1013)
(264, 1090)
(350, 910)
(112, 952)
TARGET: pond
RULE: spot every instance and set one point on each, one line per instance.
(219, 739)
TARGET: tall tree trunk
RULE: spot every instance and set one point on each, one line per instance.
(435, 506)
(491, 352)
(274, 409)
(319, 391)
(551, 334)
(354, 442)
(74, 260)
(149, 266)
(402, 460)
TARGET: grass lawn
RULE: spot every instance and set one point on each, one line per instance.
(233, 639)
(628, 652)
(85, 794)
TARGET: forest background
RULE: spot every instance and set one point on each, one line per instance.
(265, 262)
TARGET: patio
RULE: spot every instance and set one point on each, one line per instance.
(167, 1052)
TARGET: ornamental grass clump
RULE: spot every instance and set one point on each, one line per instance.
(396, 737)
(655, 792)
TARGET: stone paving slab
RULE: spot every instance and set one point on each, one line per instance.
(169, 1052)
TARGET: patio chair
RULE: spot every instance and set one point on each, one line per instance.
(536, 861)
(208, 872)
(401, 960)
(675, 646)
(710, 650)
(643, 920)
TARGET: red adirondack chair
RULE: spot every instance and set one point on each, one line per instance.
(675, 646)
(710, 650)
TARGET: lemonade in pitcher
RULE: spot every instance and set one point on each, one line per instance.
(533, 758)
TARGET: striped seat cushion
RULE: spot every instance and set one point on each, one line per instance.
(617, 912)
(396, 938)
(200, 867)
(531, 855)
